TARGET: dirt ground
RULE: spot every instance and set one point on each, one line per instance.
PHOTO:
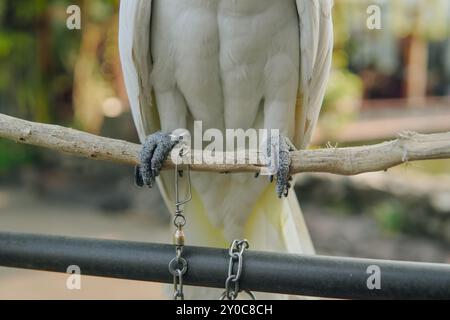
(24, 211)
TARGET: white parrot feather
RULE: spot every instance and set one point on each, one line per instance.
(135, 54)
(316, 43)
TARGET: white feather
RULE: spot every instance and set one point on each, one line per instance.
(316, 41)
(134, 47)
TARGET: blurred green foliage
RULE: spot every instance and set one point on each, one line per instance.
(35, 73)
(13, 155)
(38, 53)
(390, 215)
(37, 57)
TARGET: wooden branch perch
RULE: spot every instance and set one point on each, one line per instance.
(343, 161)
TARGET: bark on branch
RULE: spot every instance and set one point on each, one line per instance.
(343, 161)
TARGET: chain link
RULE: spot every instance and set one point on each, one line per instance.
(236, 253)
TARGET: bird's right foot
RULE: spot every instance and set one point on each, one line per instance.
(154, 152)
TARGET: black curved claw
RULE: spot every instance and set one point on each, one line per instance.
(138, 177)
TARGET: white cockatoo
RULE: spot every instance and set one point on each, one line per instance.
(232, 64)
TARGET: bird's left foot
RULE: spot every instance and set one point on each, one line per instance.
(282, 164)
(283, 176)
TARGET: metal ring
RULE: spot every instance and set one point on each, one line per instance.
(175, 264)
(239, 245)
(179, 221)
(242, 246)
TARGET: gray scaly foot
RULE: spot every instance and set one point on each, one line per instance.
(283, 177)
(154, 152)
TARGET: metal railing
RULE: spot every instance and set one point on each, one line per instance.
(319, 276)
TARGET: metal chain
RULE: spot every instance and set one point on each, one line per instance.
(236, 253)
(179, 266)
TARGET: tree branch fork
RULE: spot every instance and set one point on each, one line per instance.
(408, 146)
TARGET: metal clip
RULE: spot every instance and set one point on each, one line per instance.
(179, 266)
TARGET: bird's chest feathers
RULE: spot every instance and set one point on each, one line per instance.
(220, 51)
(237, 24)
(236, 32)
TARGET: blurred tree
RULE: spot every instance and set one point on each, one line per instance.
(42, 61)
(39, 55)
(344, 91)
(95, 67)
(398, 54)
(34, 75)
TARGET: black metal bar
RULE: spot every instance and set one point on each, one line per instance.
(265, 272)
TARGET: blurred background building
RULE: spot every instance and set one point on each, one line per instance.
(383, 82)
